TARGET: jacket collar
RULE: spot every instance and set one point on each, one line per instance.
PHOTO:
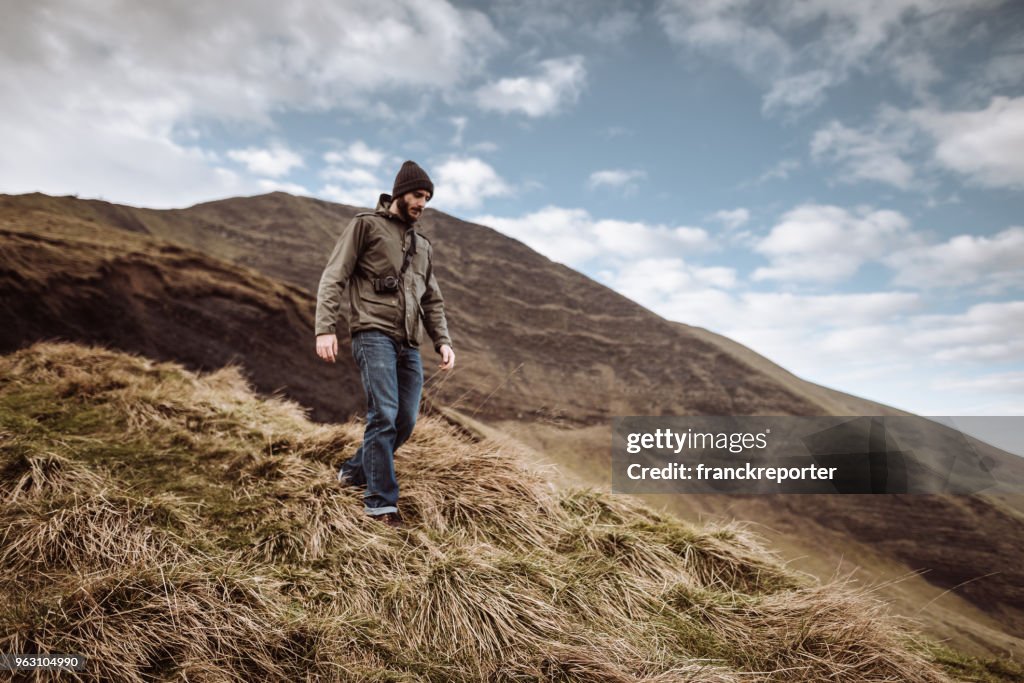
(383, 209)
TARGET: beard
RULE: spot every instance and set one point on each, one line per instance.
(403, 210)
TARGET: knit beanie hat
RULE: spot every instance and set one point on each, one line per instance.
(411, 177)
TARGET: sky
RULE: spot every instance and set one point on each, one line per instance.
(836, 185)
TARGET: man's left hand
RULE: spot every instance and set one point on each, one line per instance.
(447, 357)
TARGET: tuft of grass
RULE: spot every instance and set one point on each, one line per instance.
(77, 533)
(170, 525)
(133, 622)
(27, 476)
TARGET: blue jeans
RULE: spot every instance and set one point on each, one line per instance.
(392, 375)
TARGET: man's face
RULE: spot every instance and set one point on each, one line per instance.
(410, 205)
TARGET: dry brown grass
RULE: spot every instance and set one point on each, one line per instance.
(130, 621)
(88, 533)
(31, 477)
(175, 526)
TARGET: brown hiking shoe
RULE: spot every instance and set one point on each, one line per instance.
(392, 519)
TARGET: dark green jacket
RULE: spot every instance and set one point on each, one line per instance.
(373, 246)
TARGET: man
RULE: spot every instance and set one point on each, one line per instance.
(392, 295)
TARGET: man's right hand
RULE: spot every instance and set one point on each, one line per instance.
(327, 347)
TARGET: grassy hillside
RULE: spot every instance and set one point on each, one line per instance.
(80, 279)
(171, 525)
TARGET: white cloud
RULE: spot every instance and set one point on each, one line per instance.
(990, 382)
(652, 279)
(732, 218)
(352, 176)
(780, 171)
(464, 183)
(823, 243)
(605, 23)
(98, 99)
(993, 263)
(55, 151)
(459, 122)
(633, 238)
(722, 29)
(617, 178)
(986, 145)
(360, 196)
(1005, 70)
(799, 50)
(557, 85)
(357, 174)
(574, 237)
(615, 27)
(358, 153)
(801, 91)
(824, 311)
(861, 155)
(275, 161)
(563, 235)
(916, 71)
(985, 332)
(268, 185)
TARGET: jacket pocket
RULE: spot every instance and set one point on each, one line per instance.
(380, 308)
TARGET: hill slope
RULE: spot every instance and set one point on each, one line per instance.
(166, 524)
(70, 277)
(545, 354)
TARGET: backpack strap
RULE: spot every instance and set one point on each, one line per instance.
(409, 253)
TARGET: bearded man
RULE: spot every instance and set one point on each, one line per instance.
(392, 293)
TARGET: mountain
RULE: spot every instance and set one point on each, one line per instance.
(174, 526)
(546, 355)
(541, 339)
